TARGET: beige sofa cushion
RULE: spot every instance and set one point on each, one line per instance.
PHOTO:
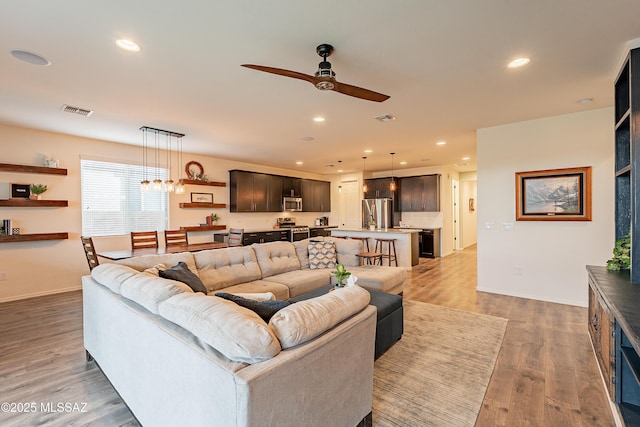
(346, 250)
(305, 320)
(112, 275)
(380, 278)
(141, 263)
(276, 257)
(279, 290)
(219, 268)
(302, 281)
(236, 332)
(149, 291)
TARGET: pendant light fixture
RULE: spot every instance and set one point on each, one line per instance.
(364, 168)
(340, 178)
(392, 186)
(158, 185)
(145, 185)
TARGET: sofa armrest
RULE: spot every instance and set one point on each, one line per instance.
(325, 381)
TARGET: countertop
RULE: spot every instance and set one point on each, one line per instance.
(266, 230)
(381, 230)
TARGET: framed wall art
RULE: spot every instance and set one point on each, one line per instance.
(201, 198)
(554, 195)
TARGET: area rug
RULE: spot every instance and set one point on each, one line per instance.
(438, 373)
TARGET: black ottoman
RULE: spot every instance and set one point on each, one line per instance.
(390, 325)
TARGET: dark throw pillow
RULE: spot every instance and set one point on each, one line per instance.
(181, 273)
(264, 309)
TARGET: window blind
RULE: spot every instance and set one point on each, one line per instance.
(113, 203)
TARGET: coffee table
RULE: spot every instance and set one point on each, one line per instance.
(390, 317)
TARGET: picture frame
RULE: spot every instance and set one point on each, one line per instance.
(554, 195)
(201, 198)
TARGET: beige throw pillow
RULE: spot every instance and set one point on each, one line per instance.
(305, 320)
(322, 255)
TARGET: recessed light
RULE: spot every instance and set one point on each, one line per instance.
(520, 62)
(340, 170)
(306, 138)
(403, 163)
(440, 143)
(368, 151)
(128, 45)
(299, 163)
(30, 57)
(385, 118)
(318, 119)
(466, 158)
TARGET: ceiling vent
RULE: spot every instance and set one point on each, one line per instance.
(76, 110)
(385, 118)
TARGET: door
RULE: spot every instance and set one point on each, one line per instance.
(456, 215)
(350, 215)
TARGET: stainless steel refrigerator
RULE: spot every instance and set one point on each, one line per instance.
(378, 211)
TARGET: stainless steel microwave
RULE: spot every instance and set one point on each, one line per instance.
(292, 204)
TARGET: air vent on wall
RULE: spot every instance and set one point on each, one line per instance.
(76, 110)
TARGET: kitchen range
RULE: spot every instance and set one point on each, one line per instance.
(296, 232)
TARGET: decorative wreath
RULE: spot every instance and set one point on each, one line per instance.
(194, 170)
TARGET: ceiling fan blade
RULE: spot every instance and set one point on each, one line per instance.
(282, 72)
(359, 92)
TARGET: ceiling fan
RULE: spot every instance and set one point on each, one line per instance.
(324, 78)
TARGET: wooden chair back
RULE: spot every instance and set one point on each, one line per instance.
(235, 236)
(90, 252)
(144, 239)
(175, 237)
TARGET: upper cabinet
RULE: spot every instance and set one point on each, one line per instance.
(316, 195)
(379, 188)
(420, 193)
(254, 192)
(627, 156)
(291, 187)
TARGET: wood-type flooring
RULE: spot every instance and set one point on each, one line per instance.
(545, 375)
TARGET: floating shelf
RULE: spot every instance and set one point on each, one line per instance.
(28, 203)
(7, 167)
(202, 205)
(33, 237)
(196, 182)
(204, 228)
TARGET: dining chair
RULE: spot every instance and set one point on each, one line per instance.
(175, 237)
(235, 236)
(90, 252)
(144, 239)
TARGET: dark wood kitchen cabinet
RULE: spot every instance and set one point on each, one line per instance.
(291, 187)
(254, 192)
(265, 237)
(420, 193)
(379, 188)
(316, 195)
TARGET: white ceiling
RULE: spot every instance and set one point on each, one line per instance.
(442, 62)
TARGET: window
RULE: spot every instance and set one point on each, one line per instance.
(112, 202)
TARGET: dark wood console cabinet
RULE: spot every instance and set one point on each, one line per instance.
(614, 329)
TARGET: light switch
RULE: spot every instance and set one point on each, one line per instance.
(489, 226)
(507, 226)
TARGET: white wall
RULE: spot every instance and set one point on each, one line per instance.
(543, 260)
(39, 268)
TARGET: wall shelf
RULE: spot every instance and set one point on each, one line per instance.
(7, 167)
(33, 237)
(28, 203)
(197, 182)
(202, 205)
(204, 228)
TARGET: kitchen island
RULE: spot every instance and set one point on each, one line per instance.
(406, 241)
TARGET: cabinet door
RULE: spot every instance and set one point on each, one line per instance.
(431, 201)
(240, 191)
(250, 238)
(416, 194)
(306, 190)
(404, 194)
(260, 191)
(274, 193)
(372, 189)
(323, 193)
(291, 187)
(384, 189)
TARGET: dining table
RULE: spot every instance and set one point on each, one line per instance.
(171, 249)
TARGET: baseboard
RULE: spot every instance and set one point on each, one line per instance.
(40, 294)
(535, 297)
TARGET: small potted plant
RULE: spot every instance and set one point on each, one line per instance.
(341, 273)
(36, 191)
(211, 219)
(621, 255)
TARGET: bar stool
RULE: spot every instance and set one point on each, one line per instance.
(365, 242)
(370, 257)
(391, 244)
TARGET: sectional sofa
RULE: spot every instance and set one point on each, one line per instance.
(179, 357)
